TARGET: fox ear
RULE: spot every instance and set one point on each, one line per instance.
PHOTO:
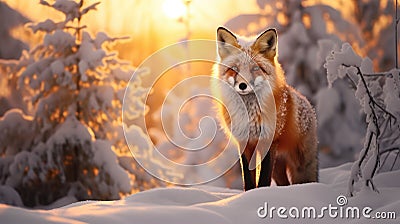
(266, 43)
(226, 41)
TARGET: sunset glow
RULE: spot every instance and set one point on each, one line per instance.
(174, 8)
(201, 101)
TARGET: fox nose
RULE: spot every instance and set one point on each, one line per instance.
(242, 86)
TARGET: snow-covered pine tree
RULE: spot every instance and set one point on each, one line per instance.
(376, 22)
(10, 48)
(66, 145)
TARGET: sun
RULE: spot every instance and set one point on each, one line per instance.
(174, 8)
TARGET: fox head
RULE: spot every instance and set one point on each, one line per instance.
(249, 64)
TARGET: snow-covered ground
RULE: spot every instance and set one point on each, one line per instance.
(205, 204)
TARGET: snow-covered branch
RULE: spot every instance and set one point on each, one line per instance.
(381, 104)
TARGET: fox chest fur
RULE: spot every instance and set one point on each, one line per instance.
(248, 118)
(252, 107)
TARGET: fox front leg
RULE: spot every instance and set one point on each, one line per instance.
(266, 171)
(267, 163)
(248, 182)
(248, 175)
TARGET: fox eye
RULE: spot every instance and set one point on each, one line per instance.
(235, 68)
(255, 68)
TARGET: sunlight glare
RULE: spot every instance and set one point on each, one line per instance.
(174, 8)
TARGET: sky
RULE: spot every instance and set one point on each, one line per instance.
(151, 25)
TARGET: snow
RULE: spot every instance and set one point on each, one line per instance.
(9, 196)
(12, 125)
(89, 54)
(48, 26)
(60, 40)
(392, 92)
(83, 66)
(71, 129)
(138, 137)
(106, 159)
(204, 204)
(334, 63)
(325, 47)
(69, 8)
(57, 67)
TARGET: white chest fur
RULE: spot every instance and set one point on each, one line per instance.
(252, 116)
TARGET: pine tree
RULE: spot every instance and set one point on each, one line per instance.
(74, 88)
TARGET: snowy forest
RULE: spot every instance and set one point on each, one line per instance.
(106, 105)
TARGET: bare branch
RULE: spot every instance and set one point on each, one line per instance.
(43, 2)
(90, 7)
(371, 98)
(395, 159)
(352, 83)
(391, 149)
(76, 28)
(386, 74)
(362, 158)
(375, 133)
(384, 160)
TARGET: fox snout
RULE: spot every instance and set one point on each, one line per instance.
(243, 86)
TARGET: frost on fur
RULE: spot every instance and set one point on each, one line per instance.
(379, 97)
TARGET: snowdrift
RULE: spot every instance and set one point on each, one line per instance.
(204, 204)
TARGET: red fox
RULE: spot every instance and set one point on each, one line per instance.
(276, 112)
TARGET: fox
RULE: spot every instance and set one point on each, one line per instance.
(273, 125)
